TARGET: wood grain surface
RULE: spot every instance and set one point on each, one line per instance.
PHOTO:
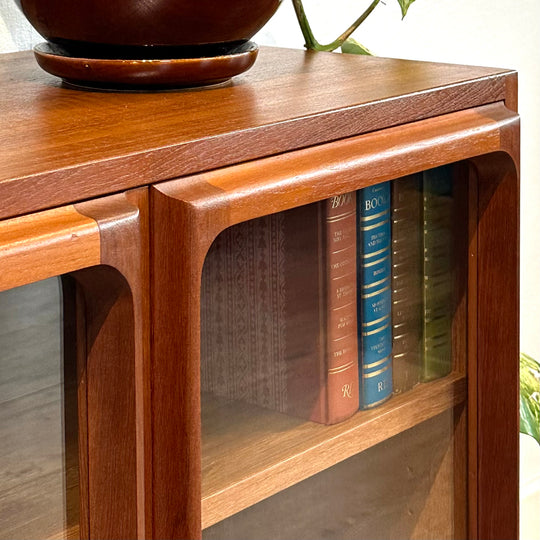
(61, 145)
(498, 344)
(277, 183)
(46, 244)
(100, 249)
(190, 212)
(400, 488)
(112, 346)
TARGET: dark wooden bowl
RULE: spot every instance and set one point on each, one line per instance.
(105, 34)
(147, 22)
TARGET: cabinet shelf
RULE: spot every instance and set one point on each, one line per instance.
(259, 452)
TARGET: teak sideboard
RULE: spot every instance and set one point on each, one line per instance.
(122, 194)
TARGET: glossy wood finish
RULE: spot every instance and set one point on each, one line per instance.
(114, 342)
(414, 466)
(43, 245)
(55, 152)
(278, 183)
(498, 340)
(100, 249)
(141, 72)
(297, 128)
(190, 213)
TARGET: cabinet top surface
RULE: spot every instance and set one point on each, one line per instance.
(61, 145)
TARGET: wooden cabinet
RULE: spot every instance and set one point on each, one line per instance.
(123, 194)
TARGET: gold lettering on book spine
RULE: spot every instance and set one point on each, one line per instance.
(347, 390)
(341, 324)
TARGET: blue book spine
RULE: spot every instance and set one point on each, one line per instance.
(374, 290)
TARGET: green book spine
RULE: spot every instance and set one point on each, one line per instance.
(439, 272)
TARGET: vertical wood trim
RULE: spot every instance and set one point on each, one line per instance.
(460, 477)
(143, 411)
(464, 228)
(511, 91)
(116, 305)
(460, 248)
(177, 257)
(74, 357)
(498, 347)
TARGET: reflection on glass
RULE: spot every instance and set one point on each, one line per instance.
(278, 303)
(311, 430)
(38, 441)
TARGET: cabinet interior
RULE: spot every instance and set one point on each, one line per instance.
(264, 471)
(39, 463)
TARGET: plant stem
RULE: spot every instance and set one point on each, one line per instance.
(312, 43)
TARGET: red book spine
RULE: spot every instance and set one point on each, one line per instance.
(341, 315)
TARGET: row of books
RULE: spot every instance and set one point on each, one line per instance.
(335, 306)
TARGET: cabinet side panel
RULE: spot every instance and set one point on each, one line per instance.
(498, 347)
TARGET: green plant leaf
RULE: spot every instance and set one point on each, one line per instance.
(529, 396)
(404, 4)
(351, 46)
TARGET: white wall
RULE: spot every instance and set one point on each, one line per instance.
(15, 33)
(501, 33)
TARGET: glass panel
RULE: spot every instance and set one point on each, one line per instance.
(401, 488)
(38, 441)
(333, 378)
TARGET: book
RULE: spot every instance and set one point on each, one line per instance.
(439, 211)
(278, 312)
(374, 293)
(424, 214)
(407, 281)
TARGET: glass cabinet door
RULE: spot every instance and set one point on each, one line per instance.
(334, 367)
(39, 476)
(69, 348)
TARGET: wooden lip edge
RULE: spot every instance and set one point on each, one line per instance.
(61, 240)
(453, 390)
(47, 244)
(482, 132)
